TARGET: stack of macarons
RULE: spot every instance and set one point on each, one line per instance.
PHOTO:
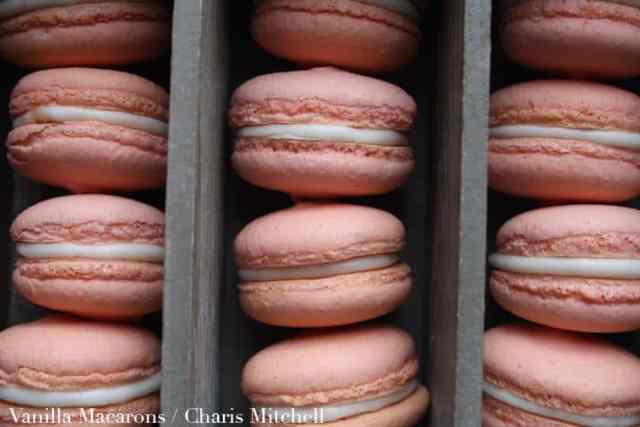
(320, 134)
(95, 257)
(572, 269)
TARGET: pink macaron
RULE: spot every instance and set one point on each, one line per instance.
(560, 140)
(349, 377)
(594, 38)
(322, 133)
(534, 376)
(91, 255)
(89, 130)
(573, 267)
(363, 35)
(60, 370)
(62, 33)
(322, 265)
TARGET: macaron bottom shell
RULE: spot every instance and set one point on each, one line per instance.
(406, 413)
(322, 169)
(331, 301)
(498, 414)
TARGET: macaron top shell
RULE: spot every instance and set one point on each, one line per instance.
(590, 231)
(564, 103)
(562, 370)
(63, 353)
(331, 366)
(311, 234)
(89, 219)
(90, 87)
(322, 95)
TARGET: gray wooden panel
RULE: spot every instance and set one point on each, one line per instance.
(457, 308)
(194, 208)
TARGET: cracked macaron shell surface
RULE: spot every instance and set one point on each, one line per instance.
(358, 35)
(89, 130)
(62, 354)
(563, 36)
(91, 255)
(303, 266)
(561, 140)
(337, 133)
(358, 364)
(61, 33)
(575, 374)
(571, 267)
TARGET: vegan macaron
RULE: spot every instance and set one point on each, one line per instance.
(91, 255)
(363, 35)
(362, 376)
(564, 36)
(322, 132)
(534, 376)
(61, 370)
(560, 140)
(62, 33)
(322, 265)
(89, 130)
(573, 267)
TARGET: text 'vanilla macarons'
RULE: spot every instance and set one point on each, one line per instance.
(62, 33)
(322, 265)
(91, 255)
(364, 35)
(60, 370)
(322, 132)
(350, 377)
(89, 130)
(566, 36)
(563, 140)
(534, 376)
(573, 267)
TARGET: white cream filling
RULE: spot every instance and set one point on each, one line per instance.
(10, 8)
(113, 251)
(604, 268)
(403, 7)
(320, 132)
(373, 262)
(63, 113)
(330, 413)
(558, 414)
(613, 138)
(81, 398)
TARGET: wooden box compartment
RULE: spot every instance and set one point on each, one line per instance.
(206, 338)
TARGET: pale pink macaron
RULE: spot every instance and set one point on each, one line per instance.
(535, 376)
(573, 267)
(322, 265)
(363, 35)
(62, 33)
(60, 370)
(588, 38)
(349, 377)
(322, 132)
(561, 140)
(89, 130)
(91, 255)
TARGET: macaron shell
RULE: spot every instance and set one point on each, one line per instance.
(87, 34)
(89, 157)
(96, 289)
(406, 413)
(144, 405)
(348, 34)
(338, 300)
(564, 36)
(90, 218)
(497, 414)
(343, 364)
(571, 303)
(322, 169)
